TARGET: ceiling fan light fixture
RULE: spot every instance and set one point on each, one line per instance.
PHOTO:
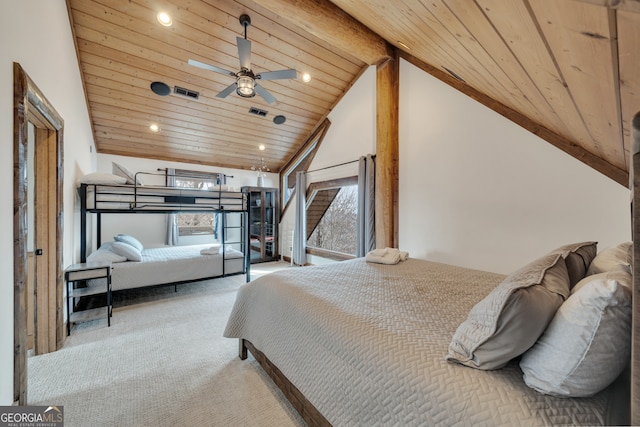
(245, 84)
(246, 87)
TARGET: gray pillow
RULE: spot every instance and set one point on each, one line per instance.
(129, 240)
(588, 342)
(509, 320)
(578, 257)
(126, 250)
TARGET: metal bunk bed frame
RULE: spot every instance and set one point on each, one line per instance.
(166, 201)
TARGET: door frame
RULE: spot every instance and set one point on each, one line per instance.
(30, 105)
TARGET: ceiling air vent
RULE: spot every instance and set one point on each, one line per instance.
(258, 112)
(186, 92)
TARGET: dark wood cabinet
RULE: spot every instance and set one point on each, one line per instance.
(264, 220)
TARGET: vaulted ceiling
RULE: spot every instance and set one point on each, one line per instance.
(567, 70)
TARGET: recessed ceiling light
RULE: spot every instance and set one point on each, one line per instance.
(164, 19)
(261, 147)
(154, 128)
(306, 77)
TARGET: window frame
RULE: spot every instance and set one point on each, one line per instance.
(304, 156)
(313, 189)
(213, 179)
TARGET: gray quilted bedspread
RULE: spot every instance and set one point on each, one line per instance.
(366, 344)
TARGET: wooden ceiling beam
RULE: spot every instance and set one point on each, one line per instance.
(331, 24)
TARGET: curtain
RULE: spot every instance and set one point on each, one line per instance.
(366, 234)
(171, 236)
(299, 255)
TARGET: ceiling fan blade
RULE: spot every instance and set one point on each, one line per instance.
(225, 92)
(263, 93)
(277, 75)
(211, 67)
(244, 52)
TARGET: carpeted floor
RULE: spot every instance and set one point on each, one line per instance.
(163, 362)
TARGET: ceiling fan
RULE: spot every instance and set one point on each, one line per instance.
(245, 84)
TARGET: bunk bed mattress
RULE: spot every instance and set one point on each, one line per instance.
(172, 264)
(366, 344)
(129, 197)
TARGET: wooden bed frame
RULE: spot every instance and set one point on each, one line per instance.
(634, 171)
(313, 417)
(307, 411)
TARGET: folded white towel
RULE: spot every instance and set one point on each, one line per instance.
(213, 250)
(386, 259)
(388, 256)
(379, 252)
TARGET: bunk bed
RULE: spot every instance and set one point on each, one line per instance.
(102, 194)
(357, 343)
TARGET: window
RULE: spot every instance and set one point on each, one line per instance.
(332, 215)
(301, 162)
(195, 224)
(190, 224)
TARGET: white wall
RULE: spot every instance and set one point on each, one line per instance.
(150, 229)
(37, 34)
(475, 189)
(479, 191)
(351, 135)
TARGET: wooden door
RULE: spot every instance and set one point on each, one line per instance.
(31, 106)
(46, 304)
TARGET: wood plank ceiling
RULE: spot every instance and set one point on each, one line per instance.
(568, 70)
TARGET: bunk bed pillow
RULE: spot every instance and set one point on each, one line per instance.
(128, 251)
(509, 320)
(103, 179)
(578, 257)
(611, 258)
(105, 255)
(588, 343)
(129, 240)
(123, 172)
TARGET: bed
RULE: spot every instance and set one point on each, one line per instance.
(129, 198)
(359, 343)
(167, 264)
(123, 192)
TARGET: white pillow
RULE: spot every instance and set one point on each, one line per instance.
(130, 240)
(102, 178)
(610, 258)
(588, 343)
(126, 250)
(123, 172)
(105, 256)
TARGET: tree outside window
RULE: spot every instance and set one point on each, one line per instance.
(201, 223)
(332, 219)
